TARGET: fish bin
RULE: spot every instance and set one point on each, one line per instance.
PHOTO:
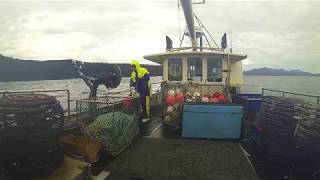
(209, 120)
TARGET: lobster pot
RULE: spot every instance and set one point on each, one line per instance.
(111, 120)
(277, 122)
(174, 95)
(30, 127)
(308, 129)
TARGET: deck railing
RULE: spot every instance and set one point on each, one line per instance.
(285, 93)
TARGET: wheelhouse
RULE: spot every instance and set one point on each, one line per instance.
(205, 67)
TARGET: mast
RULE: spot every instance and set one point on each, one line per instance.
(188, 14)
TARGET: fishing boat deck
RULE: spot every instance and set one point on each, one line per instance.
(162, 154)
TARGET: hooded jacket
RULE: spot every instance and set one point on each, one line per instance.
(141, 79)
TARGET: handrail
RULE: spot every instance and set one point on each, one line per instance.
(293, 93)
(68, 94)
(197, 48)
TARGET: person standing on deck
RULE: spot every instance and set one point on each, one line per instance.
(140, 80)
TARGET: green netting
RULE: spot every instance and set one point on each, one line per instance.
(116, 130)
(112, 120)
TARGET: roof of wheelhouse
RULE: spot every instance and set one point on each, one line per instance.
(159, 57)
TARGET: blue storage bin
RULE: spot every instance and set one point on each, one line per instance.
(212, 121)
(251, 102)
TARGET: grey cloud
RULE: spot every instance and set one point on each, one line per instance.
(275, 34)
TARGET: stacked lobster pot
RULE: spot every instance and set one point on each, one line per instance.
(289, 133)
(277, 123)
(176, 94)
(308, 128)
(30, 128)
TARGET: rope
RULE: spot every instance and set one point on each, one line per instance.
(202, 25)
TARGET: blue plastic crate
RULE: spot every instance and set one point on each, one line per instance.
(212, 121)
(251, 102)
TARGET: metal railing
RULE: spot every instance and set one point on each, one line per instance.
(284, 93)
(197, 48)
(68, 94)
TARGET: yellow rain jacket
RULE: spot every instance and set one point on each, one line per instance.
(140, 78)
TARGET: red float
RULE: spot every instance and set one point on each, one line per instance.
(213, 100)
(215, 95)
(222, 98)
(127, 102)
(171, 100)
(180, 97)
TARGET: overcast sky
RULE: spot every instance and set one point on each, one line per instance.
(277, 34)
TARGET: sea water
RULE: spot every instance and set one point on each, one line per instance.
(79, 90)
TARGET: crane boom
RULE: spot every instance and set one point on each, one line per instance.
(188, 14)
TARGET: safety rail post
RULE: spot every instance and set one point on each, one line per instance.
(68, 96)
(283, 94)
(318, 100)
(77, 110)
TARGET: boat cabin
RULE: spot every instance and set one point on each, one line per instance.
(204, 67)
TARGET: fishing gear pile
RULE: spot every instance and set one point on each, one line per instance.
(30, 127)
(277, 122)
(174, 95)
(308, 129)
(115, 130)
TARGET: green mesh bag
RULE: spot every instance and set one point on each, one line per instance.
(112, 120)
(115, 130)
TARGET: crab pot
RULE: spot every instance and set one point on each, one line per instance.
(30, 127)
(278, 119)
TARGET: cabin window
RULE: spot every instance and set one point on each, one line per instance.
(214, 70)
(175, 69)
(194, 69)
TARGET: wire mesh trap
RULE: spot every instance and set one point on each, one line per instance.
(288, 126)
(30, 126)
(112, 120)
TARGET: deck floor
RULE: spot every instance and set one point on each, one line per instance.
(155, 158)
(162, 154)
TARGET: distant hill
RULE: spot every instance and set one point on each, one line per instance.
(12, 69)
(278, 72)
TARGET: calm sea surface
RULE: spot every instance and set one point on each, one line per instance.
(304, 84)
(78, 89)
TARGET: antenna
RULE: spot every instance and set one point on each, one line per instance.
(230, 49)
